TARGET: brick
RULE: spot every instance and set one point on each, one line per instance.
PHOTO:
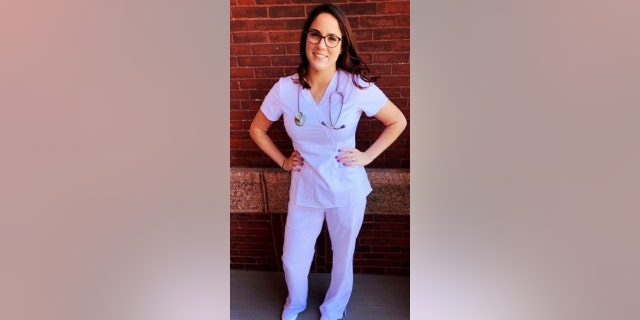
(406, 92)
(233, 84)
(362, 34)
(403, 20)
(393, 91)
(366, 57)
(295, 24)
(255, 83)
(393, 7)
(254, 61)
(250, 105)
(236, 125)
(237, 231)
(248, 252)
(251, 37)
(259, 94)
(284, 36)
(373, 241)
(240, 49)
(381, 232)
(402, 45)
(405, 242)
(272, 1)
(269, 49)
(245, 153)
(248, 245)
(373, 256)
(402, 103)
(391, 33)
(399, 181)
(377, 21)
(267, 24)
(269, 72)
(261, 232)
(375, 46)
(238, 94)
(241, 73)
(242, 260)
(248, 12)
(398, 153)
(293, 48)
(359, 8)
(402, 81)
(285, 60)
(354, 21)
(236, 25)
(286, 11)
(319, 1)
(248, 216)
(241, 114)
(234, 144)
(380, 70)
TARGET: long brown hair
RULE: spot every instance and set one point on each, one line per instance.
(349, 60)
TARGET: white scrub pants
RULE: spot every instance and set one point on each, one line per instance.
(301, 232)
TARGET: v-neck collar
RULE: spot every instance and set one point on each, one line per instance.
(326, 93)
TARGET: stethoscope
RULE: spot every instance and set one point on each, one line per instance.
(300, 118)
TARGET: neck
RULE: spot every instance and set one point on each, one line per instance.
(320, 78)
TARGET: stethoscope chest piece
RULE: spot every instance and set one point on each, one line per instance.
(300, 119)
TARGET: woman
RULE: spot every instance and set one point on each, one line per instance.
(321, 106)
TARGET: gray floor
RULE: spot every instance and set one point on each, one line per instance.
(258, 295)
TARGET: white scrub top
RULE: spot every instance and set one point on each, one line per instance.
(323, 182)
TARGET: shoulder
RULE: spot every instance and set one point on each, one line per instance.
(349, 78)
(287, 82)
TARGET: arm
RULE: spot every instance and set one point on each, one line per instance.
(258, 131)
(394, 122)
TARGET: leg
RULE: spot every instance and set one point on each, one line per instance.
(344, 225)
(301, 232)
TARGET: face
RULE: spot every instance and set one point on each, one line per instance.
(322, 57)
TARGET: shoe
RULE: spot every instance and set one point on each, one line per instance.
(328, 318)
(289, 316)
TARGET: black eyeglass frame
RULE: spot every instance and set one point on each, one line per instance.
(322, 38)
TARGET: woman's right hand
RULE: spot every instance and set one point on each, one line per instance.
(294, 162)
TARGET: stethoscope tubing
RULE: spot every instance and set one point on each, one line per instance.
(300, 119)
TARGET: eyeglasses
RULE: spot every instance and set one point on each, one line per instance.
(314, 37)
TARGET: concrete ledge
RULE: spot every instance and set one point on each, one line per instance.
(260, 190)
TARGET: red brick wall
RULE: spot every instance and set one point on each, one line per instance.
(382, 246)
(264, 47)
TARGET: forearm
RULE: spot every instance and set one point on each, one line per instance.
(386, 138)
(264, 142)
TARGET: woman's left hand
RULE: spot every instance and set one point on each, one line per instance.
(352, 157)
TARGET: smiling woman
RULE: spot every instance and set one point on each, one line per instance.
(328, 179)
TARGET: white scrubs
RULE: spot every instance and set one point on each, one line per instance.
(324, 188)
